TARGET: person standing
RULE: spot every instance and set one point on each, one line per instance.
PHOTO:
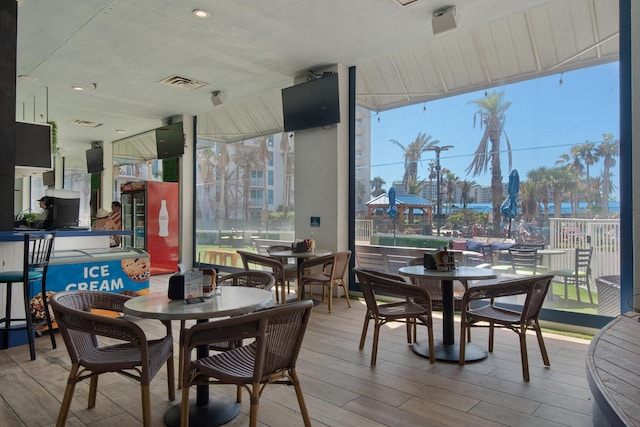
(104, 222)
(116, 214)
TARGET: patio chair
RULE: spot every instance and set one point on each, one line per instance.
(250, 279)
(492, 315)
(252, 261)
(524, 261)
(290, 268)
(35, 263)
(327, 271)
(269, 359)
(407, 311)
(580, 274)
(137, 358)
(434, 287)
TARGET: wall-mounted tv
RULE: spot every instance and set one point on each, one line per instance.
(49, 178)
(33, 145)
(170, 141)
(311, 104)
(95, 162)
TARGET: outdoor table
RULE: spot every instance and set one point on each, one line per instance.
(233, 301)
(448, 350)
(300, 257)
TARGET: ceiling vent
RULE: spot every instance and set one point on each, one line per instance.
(183, 83)
(86, 123)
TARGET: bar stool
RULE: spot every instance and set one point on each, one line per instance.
(37, 251)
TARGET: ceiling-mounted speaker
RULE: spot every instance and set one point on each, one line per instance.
(444, 19)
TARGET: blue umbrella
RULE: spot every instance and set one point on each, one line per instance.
(509, 207)
(393, 211)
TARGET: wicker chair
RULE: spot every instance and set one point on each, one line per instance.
(137, 358)
(290, 268)
(534, 288)
(252, 261)
(434, 288)
(249, 279)
(269, 359)
(407, 311)
(326, 271)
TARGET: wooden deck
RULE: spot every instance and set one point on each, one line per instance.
(339, 386)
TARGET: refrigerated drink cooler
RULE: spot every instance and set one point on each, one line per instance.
(150, 211)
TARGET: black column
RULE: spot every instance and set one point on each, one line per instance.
(8, 46)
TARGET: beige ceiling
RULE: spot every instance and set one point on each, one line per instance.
(120, 50)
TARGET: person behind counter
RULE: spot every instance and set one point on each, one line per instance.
(44, 219)
(104, 222)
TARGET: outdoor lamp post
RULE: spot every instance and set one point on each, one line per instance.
(438, 149)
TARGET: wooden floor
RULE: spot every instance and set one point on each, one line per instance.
(339, 386)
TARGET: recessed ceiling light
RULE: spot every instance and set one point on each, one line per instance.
(119, 130)
(27, 78)
(77, 88)
(405, 2)
(200, 13)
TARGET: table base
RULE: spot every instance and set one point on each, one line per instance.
(451, 352)
(217, 412)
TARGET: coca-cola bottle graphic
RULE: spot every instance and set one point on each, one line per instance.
(163, 219)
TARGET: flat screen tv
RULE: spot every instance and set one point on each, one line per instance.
(170, 141)
(33, 145)
(311, 104)
(49, 178)
(95, 160)
(65, 212)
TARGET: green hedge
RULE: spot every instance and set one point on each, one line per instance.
(411, 242)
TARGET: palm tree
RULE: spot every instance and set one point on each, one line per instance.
(222, 162)
(561, 180)
(376, 186)
(491, 110)
(414, 186)
(607, 150)
(465, 188)
(264, 155)
(451, 182)
(540, 181)
(246, 158)
(579, 159)
(413, 154)
(287, 168)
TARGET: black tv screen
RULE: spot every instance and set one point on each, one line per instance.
(33, 145)
(311, 104)
(49, 178)
(66, 212)
(170, 141)
(94, 160)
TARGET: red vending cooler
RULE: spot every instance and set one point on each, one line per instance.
(150, 210)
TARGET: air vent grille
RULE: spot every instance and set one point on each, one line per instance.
(183, 83)
(86, 123)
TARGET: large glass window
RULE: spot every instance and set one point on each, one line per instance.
(236, 207)
(450, 160)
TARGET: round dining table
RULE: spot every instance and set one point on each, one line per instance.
(448, 349)
(232, 301)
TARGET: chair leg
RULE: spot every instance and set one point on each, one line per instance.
(255, 404)
(588, 290)
(330, 286)
(463, 342)
(432, 344)
(146, 405)
(303, 407)
(543, 348)
(363, 336)
(184, 408)
(346, 293)
(93, 389)
(491, 333)
(523, 354)
(374, 349)
(28, 320)
(68, 396)
(180, 353)
(171, 379)
(47, 315)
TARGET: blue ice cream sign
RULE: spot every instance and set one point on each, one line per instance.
(104, 276)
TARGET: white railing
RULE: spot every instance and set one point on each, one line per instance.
(363, 230)
(602, 234)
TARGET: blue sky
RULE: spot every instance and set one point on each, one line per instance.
(545, 119)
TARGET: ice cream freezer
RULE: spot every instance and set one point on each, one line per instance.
(118, 270)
